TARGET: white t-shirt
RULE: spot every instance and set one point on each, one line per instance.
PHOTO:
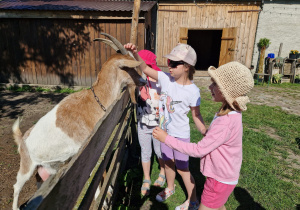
(174, 105)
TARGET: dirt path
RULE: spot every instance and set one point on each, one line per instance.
(32, 106)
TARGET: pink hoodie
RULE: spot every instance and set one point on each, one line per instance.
(220, 150)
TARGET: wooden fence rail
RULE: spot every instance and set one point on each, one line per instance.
(74, 186)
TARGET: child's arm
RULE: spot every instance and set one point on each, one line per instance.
(197, 117)
(218, 135)
(144, 67)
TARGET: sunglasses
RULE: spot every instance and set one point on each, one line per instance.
(174, 64)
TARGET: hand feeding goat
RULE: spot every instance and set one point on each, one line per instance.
(59, 134)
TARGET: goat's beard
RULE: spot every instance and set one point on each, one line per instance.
(131, 90)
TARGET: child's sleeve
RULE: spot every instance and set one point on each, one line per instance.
(195, 99)
(163, 78)
(218, 134)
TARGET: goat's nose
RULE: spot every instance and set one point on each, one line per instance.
(142, 82)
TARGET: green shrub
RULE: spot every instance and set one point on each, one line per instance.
(277, 78)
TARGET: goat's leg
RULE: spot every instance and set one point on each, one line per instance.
(22, 177)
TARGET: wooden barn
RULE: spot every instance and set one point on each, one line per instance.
(51, 42)
(220, 31)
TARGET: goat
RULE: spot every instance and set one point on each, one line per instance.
(59, 134)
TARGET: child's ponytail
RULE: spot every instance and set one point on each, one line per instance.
(191, 71)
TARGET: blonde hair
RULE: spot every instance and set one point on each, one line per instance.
(226, 108)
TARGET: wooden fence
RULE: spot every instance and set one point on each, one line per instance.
(75, 184)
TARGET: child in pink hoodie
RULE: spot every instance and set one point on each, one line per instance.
(221, 149)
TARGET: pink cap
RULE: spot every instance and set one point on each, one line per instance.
(149, 58)
(183, 52)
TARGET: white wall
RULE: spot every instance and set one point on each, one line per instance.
(279, 28)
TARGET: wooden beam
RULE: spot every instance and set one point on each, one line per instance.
(62, 15)
(227, 38)
(228, 3)
(170, 10)
(135, 21)
(244, 11)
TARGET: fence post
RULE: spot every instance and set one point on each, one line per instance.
(135, 21)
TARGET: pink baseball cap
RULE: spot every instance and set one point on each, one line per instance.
(183, 52)
(149, 58)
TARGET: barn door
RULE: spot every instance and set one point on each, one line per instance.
(183, 36)
(227, 45)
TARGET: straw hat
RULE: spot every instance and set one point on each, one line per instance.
(235, 81)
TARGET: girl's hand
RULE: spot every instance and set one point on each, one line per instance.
(131, 47)
(159, 134)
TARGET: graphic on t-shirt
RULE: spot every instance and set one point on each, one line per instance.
(148, 109)
(165, 118)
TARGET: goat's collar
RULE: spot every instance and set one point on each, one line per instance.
(97, 99)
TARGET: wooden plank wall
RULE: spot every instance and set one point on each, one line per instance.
(207, 16)
(58, 51)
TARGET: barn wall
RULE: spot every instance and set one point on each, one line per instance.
(171, 17)
(279, 22)
(58, 51)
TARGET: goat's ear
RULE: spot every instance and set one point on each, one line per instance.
(129, 63)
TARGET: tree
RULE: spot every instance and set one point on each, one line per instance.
(263, 44)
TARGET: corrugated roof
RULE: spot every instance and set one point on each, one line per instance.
(96, 5)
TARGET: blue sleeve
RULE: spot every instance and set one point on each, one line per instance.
(195, 99)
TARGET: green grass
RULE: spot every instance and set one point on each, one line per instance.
(269, 179)
(27, 88)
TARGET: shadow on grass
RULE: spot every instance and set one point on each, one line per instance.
(298, 141)
(199, 178)
(194, 166)
(129, 194)
(245, 199)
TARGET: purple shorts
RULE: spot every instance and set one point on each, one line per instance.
(181, 160)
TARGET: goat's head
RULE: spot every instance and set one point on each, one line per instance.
(123, 68)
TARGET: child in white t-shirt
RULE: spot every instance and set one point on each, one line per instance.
(179, 95)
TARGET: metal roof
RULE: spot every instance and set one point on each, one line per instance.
(67, 5)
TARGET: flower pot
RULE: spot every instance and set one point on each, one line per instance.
(293, 56)
(297, 56)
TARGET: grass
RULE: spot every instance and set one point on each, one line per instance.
(270, 171)
(28, 88)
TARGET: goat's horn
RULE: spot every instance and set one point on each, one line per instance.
(117, 43)
(108, 42)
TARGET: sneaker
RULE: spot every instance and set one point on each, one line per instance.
(165, 194)
(187, 205)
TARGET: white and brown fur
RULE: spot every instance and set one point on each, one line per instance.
(59, 134)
